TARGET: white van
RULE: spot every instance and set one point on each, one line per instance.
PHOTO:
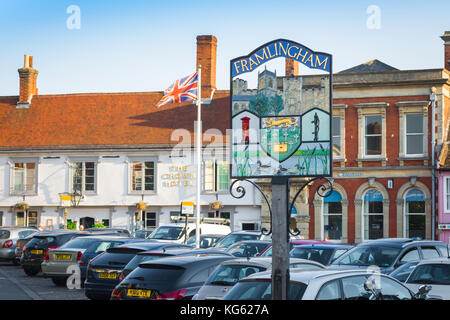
(177, 232)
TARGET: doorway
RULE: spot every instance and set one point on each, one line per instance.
(87, 222)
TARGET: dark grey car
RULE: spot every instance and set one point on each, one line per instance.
(172, 278)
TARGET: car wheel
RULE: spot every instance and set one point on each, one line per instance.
(30, 271)
(60, 282)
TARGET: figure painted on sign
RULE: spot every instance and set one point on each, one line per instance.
(316, 123)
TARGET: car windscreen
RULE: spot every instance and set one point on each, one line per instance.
(43, 242)
(233, 238)
(228, 275)
(319, 255)
(167, 233)
(101, 246)
(244, 249)
(438, 274)
(114, 258)
(262, 290)
(4, 234)
(368, 256)
(402, 272)
(139, 258)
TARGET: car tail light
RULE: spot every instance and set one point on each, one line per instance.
(79, 254)
(7, 244)
(53, 247)
(46, 256)
(121, 277)
(24, 248)
(116, 294)
(172, 295)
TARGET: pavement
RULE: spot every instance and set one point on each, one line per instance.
(16, 285)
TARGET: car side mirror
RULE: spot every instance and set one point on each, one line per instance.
(423, 291)
(369, 286)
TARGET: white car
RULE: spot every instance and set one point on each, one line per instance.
(436, 273)
(229, 272)
(326, 285)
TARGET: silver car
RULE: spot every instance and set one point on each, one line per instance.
(433, 272)
(57, 261)
(326, 284)
(8, 239)
(228, 273)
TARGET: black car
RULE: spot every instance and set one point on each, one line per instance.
(165, 252)
(171, 278)
(103, 272)
(34, 251)
(237, 236)
(323, 253)
(389, 254)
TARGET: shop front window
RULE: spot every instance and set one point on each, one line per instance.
(415, 214)
(332, 216)
(373, 215)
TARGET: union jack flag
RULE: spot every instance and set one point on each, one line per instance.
(181, 90)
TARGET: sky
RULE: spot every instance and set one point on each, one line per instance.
(139, 46)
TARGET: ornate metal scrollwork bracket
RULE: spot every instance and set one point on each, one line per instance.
(327, 186)
(241, 193)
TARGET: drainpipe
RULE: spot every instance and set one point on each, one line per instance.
(433, 166)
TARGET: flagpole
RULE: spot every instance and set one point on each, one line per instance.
(199, 156)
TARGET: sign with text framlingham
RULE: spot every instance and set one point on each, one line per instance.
(281, 124)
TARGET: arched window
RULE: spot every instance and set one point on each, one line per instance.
(332, 216)
(373, 215)
(415, 214)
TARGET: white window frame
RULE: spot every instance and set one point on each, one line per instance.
(405, 212)
(446, 181)
(215, 166)
(363, 217)
(412, 134)
(71, 162)
(412, 107)
(322, 235)
(339, 112)
(373, 135)
(12, 162)
(130, 160)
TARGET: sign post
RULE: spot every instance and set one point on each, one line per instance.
(281, 129)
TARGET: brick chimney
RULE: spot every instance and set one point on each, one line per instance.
(206, 57)
(291, 68)
(28, 77)
(446, 38)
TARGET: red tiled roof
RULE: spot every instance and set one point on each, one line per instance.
(103, 120)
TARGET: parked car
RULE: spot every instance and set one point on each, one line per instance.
(57, 261)
(434, 272)
(249, 248)
(38, 246)
(142, 234)
(8, 239)
(171, 278)
(109, 231)
(325, 285)
(323, 253)
(206, 240)
(165, 252)
(292, 243)
(181, 232)
(20, 243)
(402, 273)
(103, 272)
(237, 236)
(229, 272)
(389, 254)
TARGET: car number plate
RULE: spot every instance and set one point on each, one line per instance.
(37, 251)
(63, 256)
(139, 293)
(107, 275)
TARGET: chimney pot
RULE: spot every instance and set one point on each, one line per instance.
(446, 38)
